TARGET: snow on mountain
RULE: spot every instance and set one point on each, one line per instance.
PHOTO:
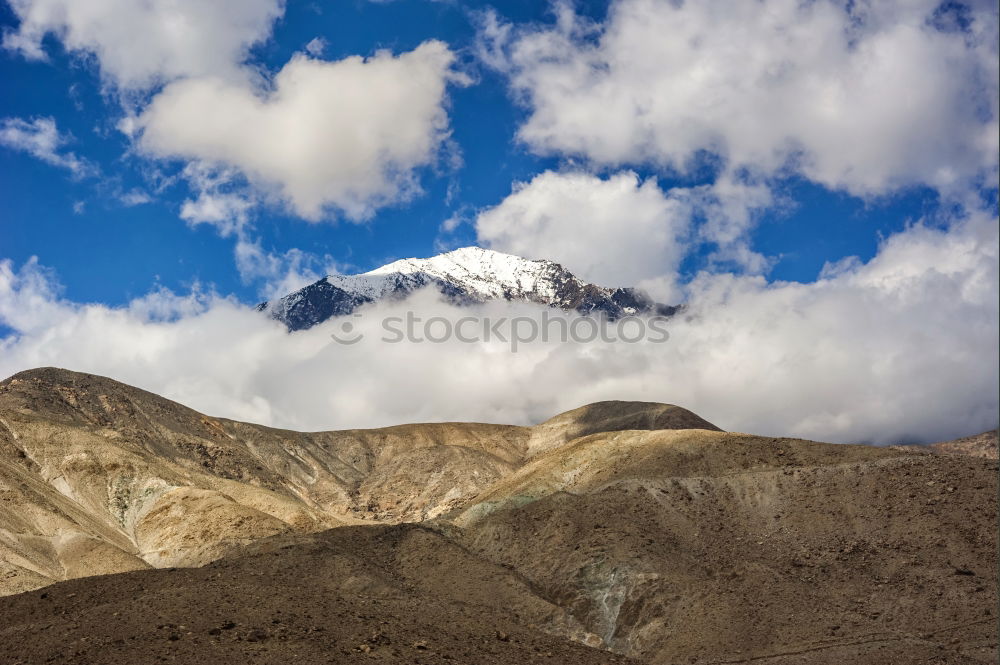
(482, 271)
(464, 276)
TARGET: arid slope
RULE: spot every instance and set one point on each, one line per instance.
(637, 528)
(373, 594)
(697, 546)
(98, 477)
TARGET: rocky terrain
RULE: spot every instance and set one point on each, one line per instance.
(978, 445)
(617, 532)
(464, 276)
(375, 594)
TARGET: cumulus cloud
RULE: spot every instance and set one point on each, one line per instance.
(867, 97)
(323, 138)
(623, 231)
(141, 44)
(344, 135)
(902, 347)
(617, 231)
(40, 138)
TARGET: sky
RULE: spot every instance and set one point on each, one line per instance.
(817, 181)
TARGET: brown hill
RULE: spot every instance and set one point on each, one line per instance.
(697, 546)
(90, 465)
(634, 527)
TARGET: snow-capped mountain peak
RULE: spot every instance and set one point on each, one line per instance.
(464, 276)
(483, 271)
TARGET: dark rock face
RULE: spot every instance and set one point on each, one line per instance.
(313, 304)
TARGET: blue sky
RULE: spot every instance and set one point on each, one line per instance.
(111, 252)
(818, 181)
(108, 251)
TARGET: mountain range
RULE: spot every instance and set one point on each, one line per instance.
(464, 276)
(135, 529)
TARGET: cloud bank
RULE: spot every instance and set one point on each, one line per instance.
(865, 97)
(901, 348)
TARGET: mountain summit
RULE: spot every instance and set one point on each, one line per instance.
(465, 276)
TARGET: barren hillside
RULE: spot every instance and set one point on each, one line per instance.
(623, 528)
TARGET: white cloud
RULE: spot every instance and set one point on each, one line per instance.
(279, 273)
(455, 220)
(904, 345)
(617, 231)
(41, 139)
(141, 44)
(863, 96)
(901, 347)
(227, 212)
(343, 136)
(727, 211)
(863, 352)
(135, 197)
(222, 200)
(316, 46)
(324, 138)
(620, 231)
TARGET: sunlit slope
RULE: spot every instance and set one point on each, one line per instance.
(98, 476)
